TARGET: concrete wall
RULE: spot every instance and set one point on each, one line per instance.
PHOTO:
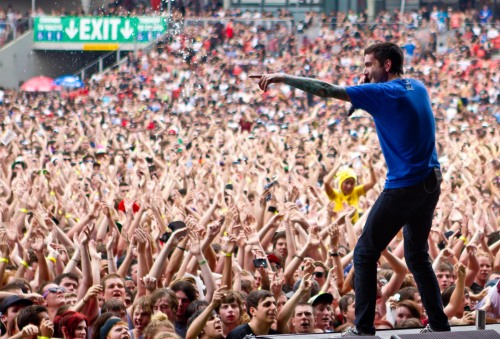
(18, 62)
(48, 5)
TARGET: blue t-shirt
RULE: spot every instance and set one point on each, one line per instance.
(405, 127)
(409, 48)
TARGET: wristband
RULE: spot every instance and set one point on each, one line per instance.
(464, 239)
(24, 263)
(298, 256)
(202, 262)
(334, 254)
(228, 254)
(42, 337)
(5, 260)
(24, 210)
(181, 248)
(68, 215)
(271, 209)
(51, 258)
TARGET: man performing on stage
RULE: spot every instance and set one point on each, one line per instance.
(405, 125)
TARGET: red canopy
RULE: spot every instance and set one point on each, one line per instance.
(39, 84)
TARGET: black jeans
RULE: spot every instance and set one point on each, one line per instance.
(412, 208)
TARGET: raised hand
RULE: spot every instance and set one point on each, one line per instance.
(46, 328)
(294, 194)
(93, 251)
(155, 231)
(228, 244)
(332, 279)
(218, 295)
(313, 238)
(334, 233)
(94, 213)
(459, 271)
(306, 283)
(142, 239)
(93, 292)
(330, 210)
(448, 253)
(149, 283)
(214, 229)
(38, 244)
(308, 266)
(30, 331)
(277, 283)
(266, 79)
(111, 240)
(85, 235)
(195, 247)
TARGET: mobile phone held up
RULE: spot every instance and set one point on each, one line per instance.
(261, 262)
(173, 226)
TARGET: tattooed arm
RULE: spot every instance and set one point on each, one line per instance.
(313, 86)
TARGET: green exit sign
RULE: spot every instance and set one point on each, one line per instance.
(117, 30)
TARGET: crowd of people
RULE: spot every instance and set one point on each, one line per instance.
(174, 199)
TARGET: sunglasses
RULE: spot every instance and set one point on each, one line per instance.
(44, 172)
(54, 290)
(318, 274)
(89, 161)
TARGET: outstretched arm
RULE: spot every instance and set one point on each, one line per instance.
(313, 86)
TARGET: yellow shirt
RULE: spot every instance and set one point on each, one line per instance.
(352, 200)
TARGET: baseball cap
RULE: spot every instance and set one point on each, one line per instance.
(13, 300)
(273, 258)
(322, 298)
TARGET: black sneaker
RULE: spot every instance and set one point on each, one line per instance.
(353, 332)
(427, 329)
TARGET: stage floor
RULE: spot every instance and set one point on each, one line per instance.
(386, 334)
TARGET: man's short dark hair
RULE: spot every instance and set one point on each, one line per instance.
(277, 236)
(197, 314)
(388, 51)
(230, 297)
(29, 316)
(246, 286)
(304, 304)
(194, 307)
(186, 287)
(255, 297)
(165, 293)
(407, 293)
(113, 305)
(345, 301)
(69, 275)
(12, 287)
(107, 277)
(445, 267)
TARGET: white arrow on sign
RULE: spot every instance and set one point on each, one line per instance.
(72, 31)
(126, 31)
